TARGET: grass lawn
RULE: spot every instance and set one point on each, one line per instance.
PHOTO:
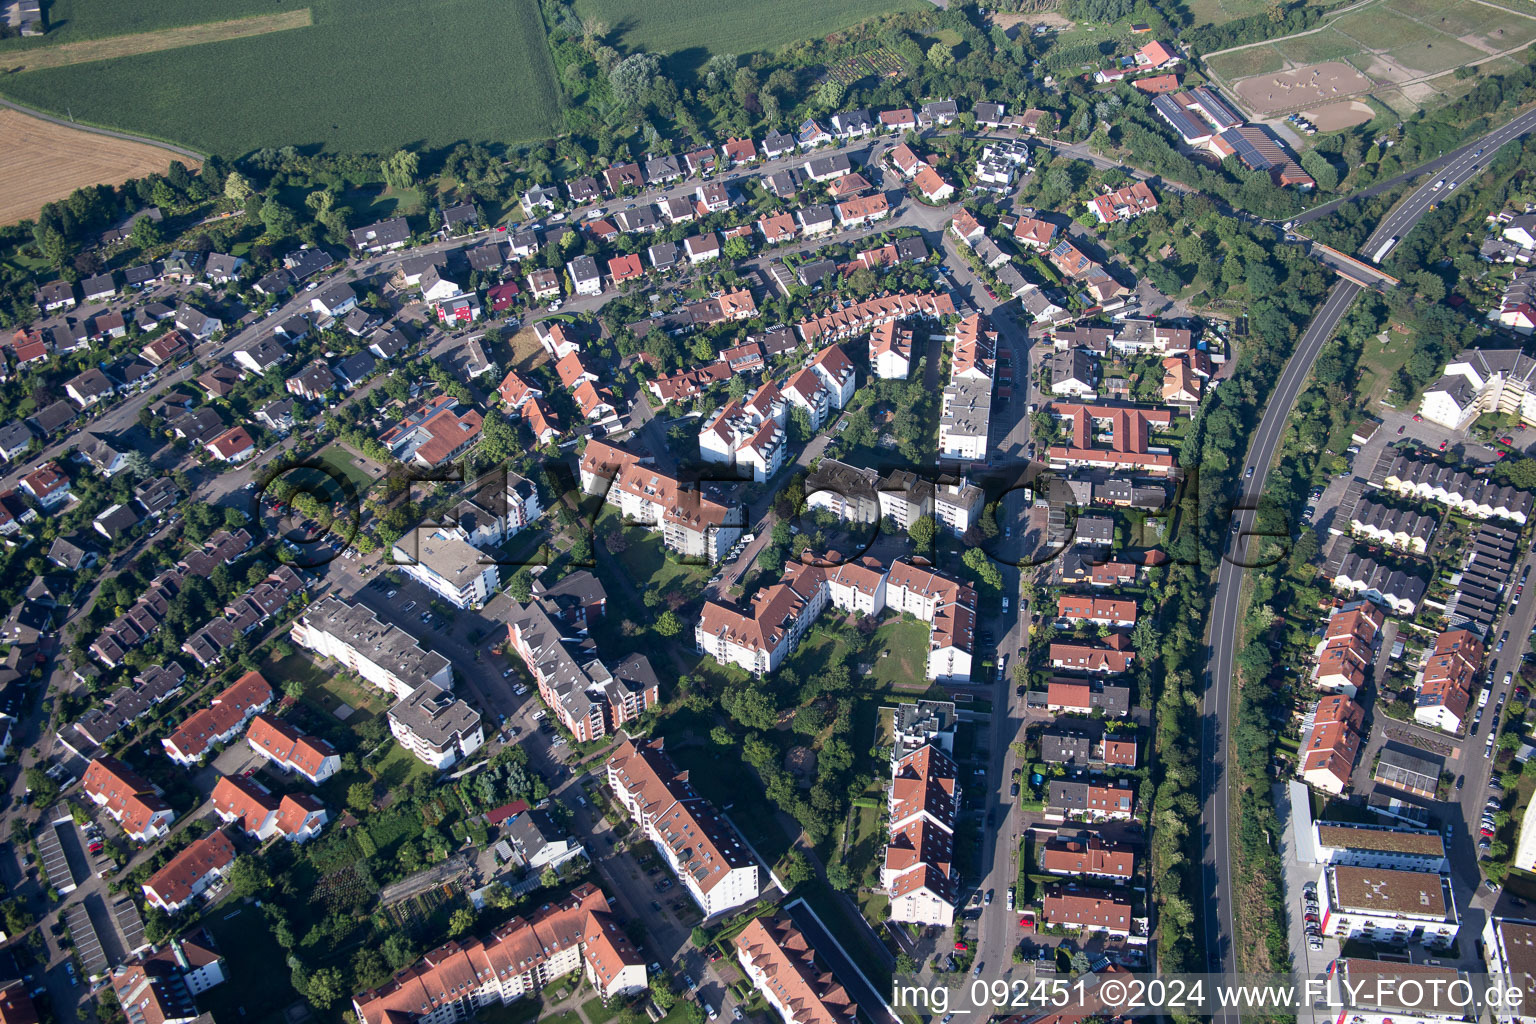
(1325, 45)
(523, 1011)
(256, 992)
(326, 689)
(691, 30)
(1380, 362)
(595, 1011)
(904, 646)
(646, 559)
(863, 849)
(320, 86)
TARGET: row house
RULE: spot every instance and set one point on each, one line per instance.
(139, 810)
(1479, 497)
(701, 847)
(1403, 529)
(126, 705)
(223, 720)
(1113, 657)
(243, 616)
(1449, 677)
(1084, 696)
(1093, 911)
(297, 817)
(1074, 798)
(190, 873)
(856, 318)
(1348, 648)
(1330, 746)
(1088, 855)
(1098, 611)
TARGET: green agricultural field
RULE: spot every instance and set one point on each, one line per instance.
(73, 20)
(1256, 60)
(368, 76)
(1319, 46)
(687, 28)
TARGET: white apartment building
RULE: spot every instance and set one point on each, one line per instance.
(435, 726)
(1379, 846)
(1482, 380)
(386, 656)
(703, 849)
(964, 417)
(448, 565)
(1386, 905)
(1509, 949)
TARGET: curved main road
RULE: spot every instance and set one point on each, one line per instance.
(1216, 862)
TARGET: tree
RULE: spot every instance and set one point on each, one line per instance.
(324, 987)
(668, 624)
(631, 78)
(369, 969)
(279, 220)
(838, 876)
(736, 249)
(904, 963)
(661, 992)
(796, 869)
(247, 877)
(699, 937)
(398, 951)
(145, 233)
(400, 169)
(461, 922)
(941, 57)
(520, 586)
(921, 531)
(237, 187)
(360, 796)
(985, 569)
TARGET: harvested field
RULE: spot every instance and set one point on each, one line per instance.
(151, 42)
(41, 162)
(1008, 21)
(1334, 116)
(1291, 90)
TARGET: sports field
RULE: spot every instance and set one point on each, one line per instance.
(366, 76)
(41, 162)
(688, 28)
(1392, 49)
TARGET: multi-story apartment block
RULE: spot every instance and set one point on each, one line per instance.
(1482, 380)
(386, 656)
(447, 565)
(451, 983)
(297, 817)
(780, 962)
(703, 849)
(919, 871)
(587, 698)
(435, 726)
(190, 873)
(1379, 846)
(1386, 905)
(292, 751)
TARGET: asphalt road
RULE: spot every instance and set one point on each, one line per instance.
(1456, 166)
(1216, 822)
